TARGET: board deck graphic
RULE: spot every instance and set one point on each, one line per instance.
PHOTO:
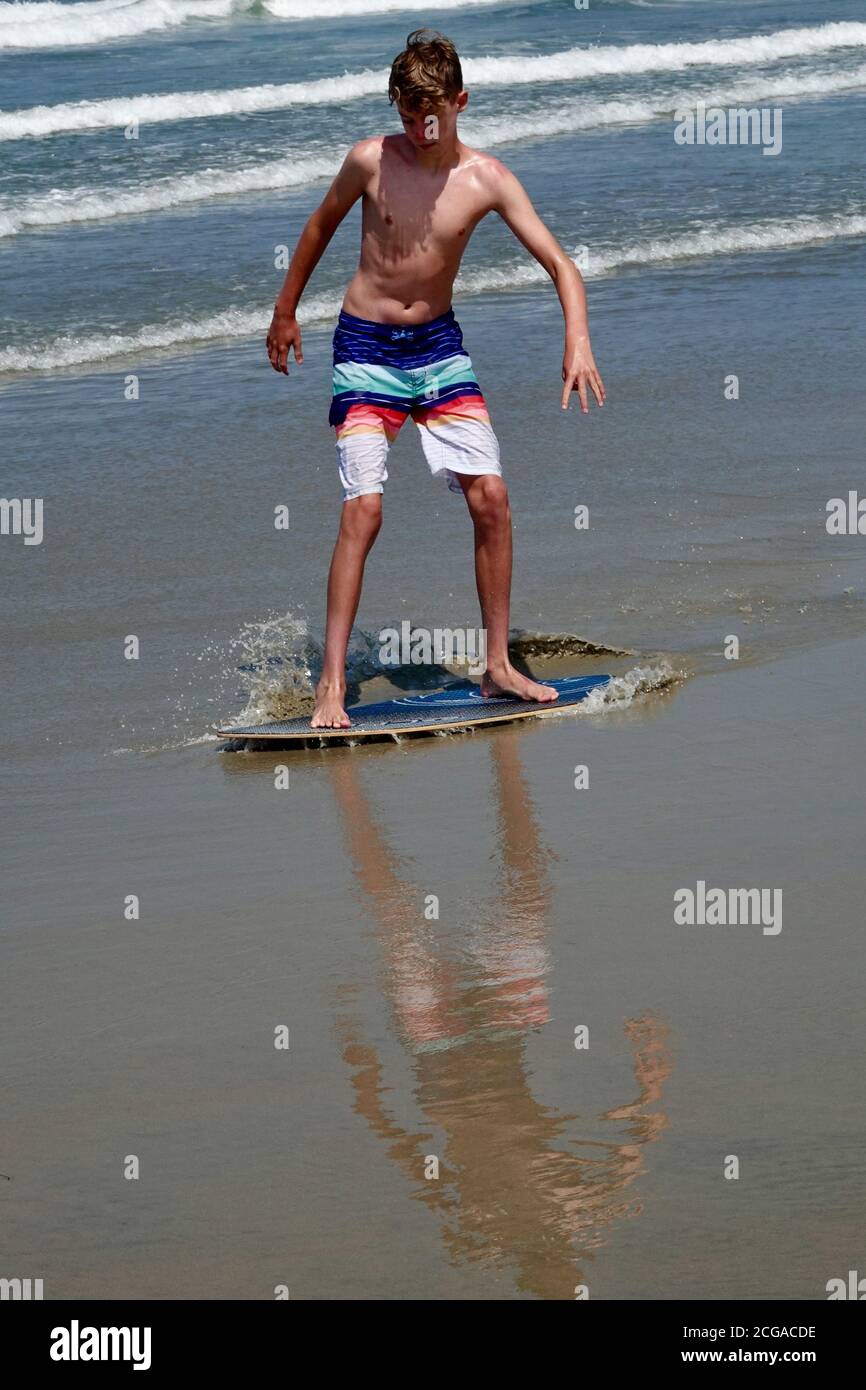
(456, 707)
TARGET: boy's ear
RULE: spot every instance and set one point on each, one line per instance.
(462, 101)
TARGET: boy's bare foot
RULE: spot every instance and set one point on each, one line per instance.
(329, 712)
(504, 680)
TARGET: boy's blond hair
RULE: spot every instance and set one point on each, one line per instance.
(427, 73)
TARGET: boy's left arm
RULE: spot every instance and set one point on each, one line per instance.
(579, 371)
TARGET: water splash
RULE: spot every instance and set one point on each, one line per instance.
(623, 690)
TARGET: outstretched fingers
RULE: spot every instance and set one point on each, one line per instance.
(579, 382)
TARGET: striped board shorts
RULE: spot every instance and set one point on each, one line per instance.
(384, 372)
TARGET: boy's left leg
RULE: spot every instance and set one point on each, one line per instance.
(487, 498)
(460, 445)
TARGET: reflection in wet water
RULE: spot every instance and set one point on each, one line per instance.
(521, 1185)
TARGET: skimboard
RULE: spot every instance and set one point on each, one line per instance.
(457, 707)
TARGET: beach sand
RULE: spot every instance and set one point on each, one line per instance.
(412, 1037)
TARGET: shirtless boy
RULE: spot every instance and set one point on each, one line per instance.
(398, 349)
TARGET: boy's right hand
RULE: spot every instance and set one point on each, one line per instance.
(284, 333)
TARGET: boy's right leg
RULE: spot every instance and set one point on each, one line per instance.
(359, 527)
(371, 400)
(364, 434)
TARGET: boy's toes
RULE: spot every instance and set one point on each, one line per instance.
(329, 714)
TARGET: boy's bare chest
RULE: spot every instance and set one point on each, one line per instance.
(405, 214)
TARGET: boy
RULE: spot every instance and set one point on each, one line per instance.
(398, 349)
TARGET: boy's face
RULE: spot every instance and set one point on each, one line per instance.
(429, 126)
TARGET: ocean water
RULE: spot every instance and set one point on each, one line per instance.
(154, 157)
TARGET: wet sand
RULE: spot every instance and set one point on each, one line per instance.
(413, 1037)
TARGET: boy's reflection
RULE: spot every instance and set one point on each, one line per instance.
(518, 1183)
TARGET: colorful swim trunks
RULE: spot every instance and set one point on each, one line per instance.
(383, 373)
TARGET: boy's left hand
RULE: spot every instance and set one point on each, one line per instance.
(579, 372)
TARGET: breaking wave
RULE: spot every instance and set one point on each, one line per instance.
(88, 23)
(567, 65)
(239, 323)
(49, 25)
(81, 204)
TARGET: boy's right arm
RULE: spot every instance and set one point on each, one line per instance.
(284, 332)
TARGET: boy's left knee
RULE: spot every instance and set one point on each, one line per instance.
(487, 496)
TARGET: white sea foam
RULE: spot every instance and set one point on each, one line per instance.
(349, 9)
(718, 240)
(238, 323)
(49, 25)
(578, 115)
(92, 22)
(82, 204)
(571, 117)
(178, 334)
(186, 106)
(623, 690)
(64, 206)
(751, 50)
(709, 241)
(567, 65)
(712, 240)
